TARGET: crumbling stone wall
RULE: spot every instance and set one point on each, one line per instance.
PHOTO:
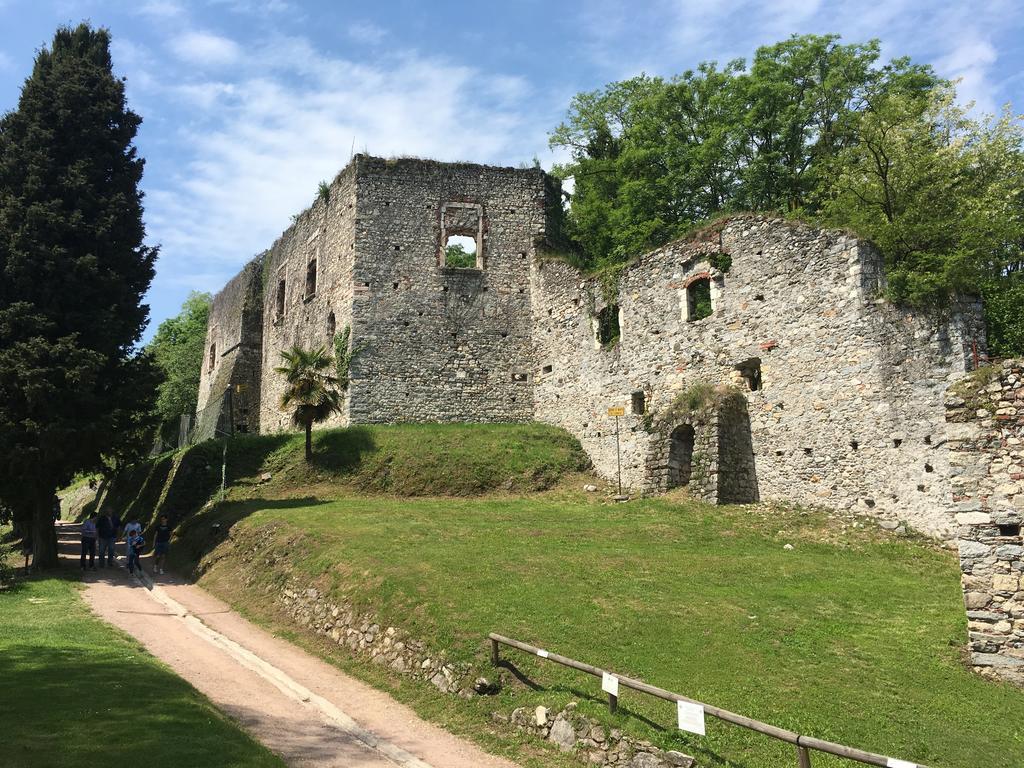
(848, 412)
(842, 393)
(442, 343)
(230, 380)
(986, 438)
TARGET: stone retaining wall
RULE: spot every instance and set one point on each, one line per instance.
(986, 434)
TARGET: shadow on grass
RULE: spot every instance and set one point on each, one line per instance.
(51, 697)
(201, 534)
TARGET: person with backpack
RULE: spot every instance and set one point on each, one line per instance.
(106, 533)
(161, 544)
(89, 542)
(135, 544)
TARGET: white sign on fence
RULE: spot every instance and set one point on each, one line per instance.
(892, 762)
(691, 717)
(609, 684)
(542, 653)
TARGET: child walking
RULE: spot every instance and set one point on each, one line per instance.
(135, 544)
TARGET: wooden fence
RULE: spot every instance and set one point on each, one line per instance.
(803, 744)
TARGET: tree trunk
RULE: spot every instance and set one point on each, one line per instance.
(309, 443)
(44, 537)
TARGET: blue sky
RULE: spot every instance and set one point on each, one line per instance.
(248, 104)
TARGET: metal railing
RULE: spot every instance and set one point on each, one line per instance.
(802, 743)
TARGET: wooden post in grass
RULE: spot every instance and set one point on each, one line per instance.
(803, 756)
(613, 703)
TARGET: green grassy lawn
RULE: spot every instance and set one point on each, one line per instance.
(853, 636)
(76, 692)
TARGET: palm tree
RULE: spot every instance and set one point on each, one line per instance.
(313, 393)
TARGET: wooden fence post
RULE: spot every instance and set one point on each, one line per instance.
(804, 756)
(613, 703)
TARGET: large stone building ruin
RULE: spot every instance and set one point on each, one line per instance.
(756, 360)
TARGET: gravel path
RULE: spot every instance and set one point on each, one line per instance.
(305, 710)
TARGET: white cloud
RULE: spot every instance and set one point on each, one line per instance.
(205, 48)
(6, 62)
(258, 145)
(162, 9)
(971, 62)
(366, 32)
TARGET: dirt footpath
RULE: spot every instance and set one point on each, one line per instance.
(305, 710)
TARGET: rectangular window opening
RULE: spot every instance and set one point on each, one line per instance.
(311, 278)
(279, 308)
(460, 252)
(1009, 529)
(608, 330)
(547, 369)
(750, 370)
(639, 403)
(698, 299)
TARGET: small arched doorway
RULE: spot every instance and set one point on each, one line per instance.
(680, 456)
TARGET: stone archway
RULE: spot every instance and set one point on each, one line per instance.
(680, 456)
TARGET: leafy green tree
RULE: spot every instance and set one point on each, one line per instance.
(313, 392)
(73, 271)
(177, 348)
(651, 158)
(941, 195)
(456, 255)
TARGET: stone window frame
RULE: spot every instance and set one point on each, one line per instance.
(716, 283)
(281, 295)
(312, 269)
(447, 232)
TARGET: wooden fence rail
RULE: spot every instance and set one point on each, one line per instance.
(803, 744)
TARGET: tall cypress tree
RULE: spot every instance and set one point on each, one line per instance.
(73, 271)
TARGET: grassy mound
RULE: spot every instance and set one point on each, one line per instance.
(402, 460)
(853, 635)
(74, 689)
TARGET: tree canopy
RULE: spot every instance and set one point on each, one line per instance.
(74, 270)
(811, 128)
(178, 348)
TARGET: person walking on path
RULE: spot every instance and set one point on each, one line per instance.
(135, 543)
(89, 543)
(106, 533)
(161, 544)
(133, 527)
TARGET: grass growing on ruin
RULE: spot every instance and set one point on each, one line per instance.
(852, 636)
(77, 692)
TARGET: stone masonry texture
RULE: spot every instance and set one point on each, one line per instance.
(986, 438)
(802, 384)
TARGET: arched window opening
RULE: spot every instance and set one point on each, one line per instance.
(680, 456)
(332, 326)
(460, 252)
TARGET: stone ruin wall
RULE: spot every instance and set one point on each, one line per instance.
(323, 235)
(443, 344)
(229, 380)
(986, 439)
(850, 411)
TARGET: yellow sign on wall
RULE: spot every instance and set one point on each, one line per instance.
(617, 411)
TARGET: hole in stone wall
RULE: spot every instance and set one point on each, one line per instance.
(550, 312)
(929, 468)
(750, 370)
(927, 439)
(460, 252)
(405, 323)
(808, 451)
(1009, 529)
(759, 297)
(395, 286)
(896, 442)
(680, 456)
(311, 278)
(854, 444)
(639, 402)
(213, 357)
(698, 299)
(608, 330)
(398, 247)
(869, 503)
(332, 325)
(279, 304)
(547, 369)
(780, 453)
(920, 487)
